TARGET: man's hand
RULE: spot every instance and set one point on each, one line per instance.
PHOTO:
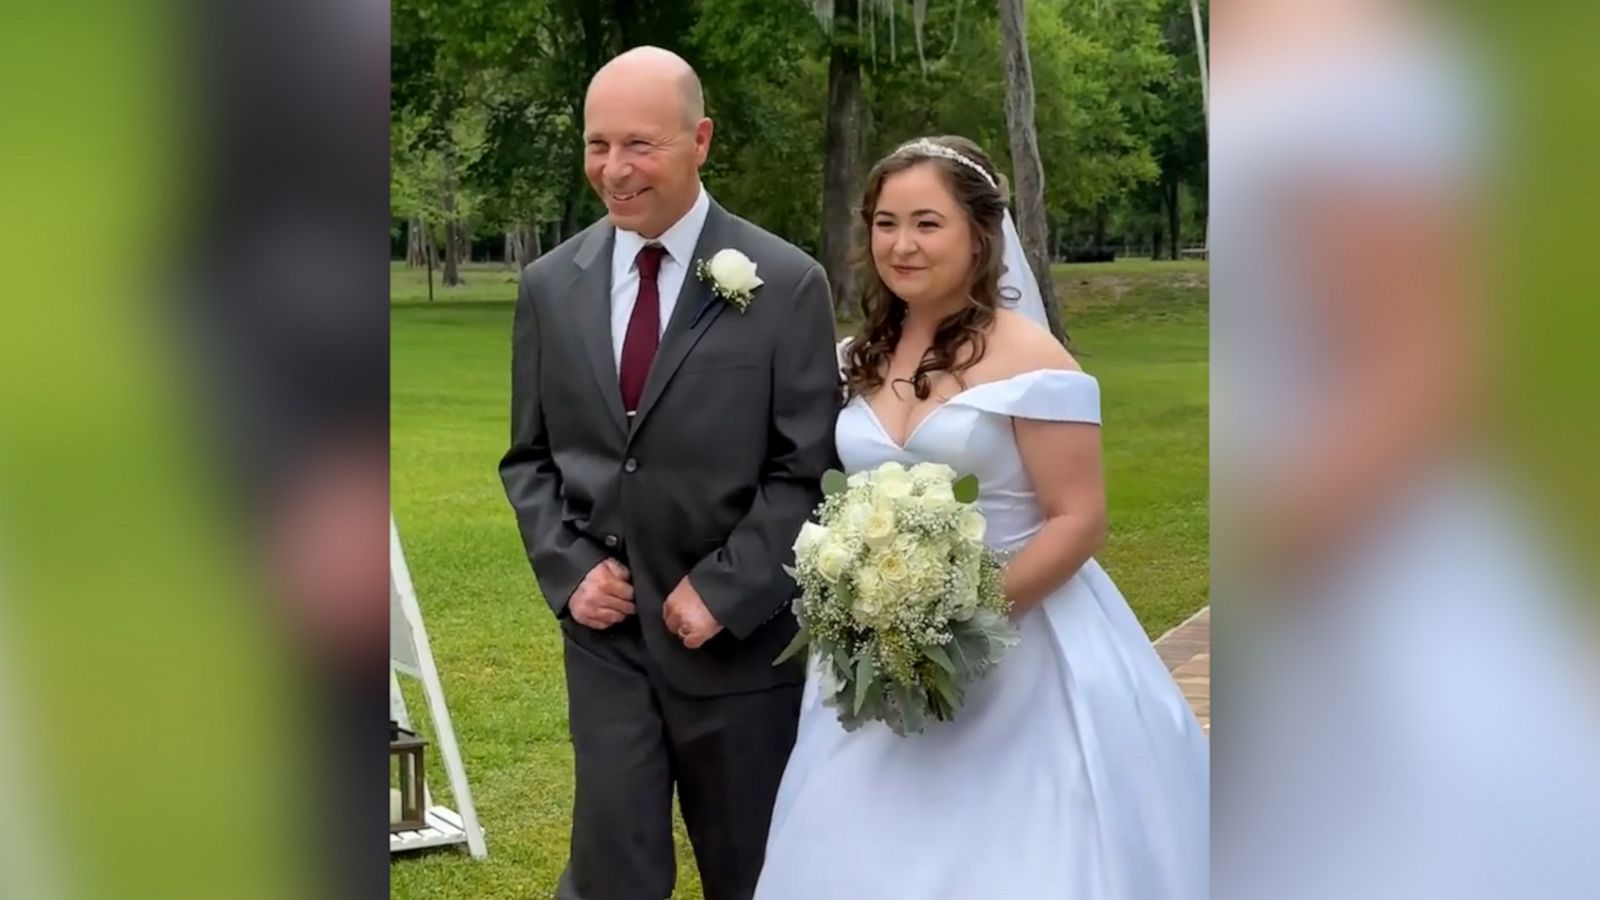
(687, 617)
(604, 597)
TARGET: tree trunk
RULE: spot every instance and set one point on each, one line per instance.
(415, 236)
(513, 248)
(624, 15)
(452, 268)
(569, 218)
(527, 243)
(1171, 195)
(1205, 93)
(463, 241)
(572, 207)
(1028, 174)
(1155, 243)
(452, 274)
(1200, 49)
(842, 155)
(428, 254)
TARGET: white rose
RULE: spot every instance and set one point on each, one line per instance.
(938, 497)
(869, 583)
(891, 484)
(930, 473)
(867, 608)
(878, 529)
(832, 559)
(894, 567)
(859, 479)
(809, 539)
(930, 561)
(734, 271)
(890, 466)
(870, 591)
(973, 526)
(855, 515)
(932, 565)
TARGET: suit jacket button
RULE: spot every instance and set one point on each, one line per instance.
(611, 541)
(631, 466)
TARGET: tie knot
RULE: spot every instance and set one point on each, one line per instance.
(649, 260)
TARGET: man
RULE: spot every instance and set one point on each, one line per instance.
(667, 443)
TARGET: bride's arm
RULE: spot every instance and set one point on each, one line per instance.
(1063, 462)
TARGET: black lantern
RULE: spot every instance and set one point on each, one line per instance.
(406, 791)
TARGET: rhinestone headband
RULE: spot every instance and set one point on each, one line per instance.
(926, 147)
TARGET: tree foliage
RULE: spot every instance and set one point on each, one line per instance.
(487, 103)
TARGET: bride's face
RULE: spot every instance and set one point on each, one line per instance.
(922, 242)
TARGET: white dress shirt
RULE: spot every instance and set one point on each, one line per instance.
(679, 241)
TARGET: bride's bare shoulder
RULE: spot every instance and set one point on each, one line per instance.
(1020, 344)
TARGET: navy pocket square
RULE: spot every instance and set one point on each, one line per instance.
(704, 305)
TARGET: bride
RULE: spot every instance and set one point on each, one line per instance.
(1075, 769)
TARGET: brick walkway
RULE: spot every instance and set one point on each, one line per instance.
(1187, 652)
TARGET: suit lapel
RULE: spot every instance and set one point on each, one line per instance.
(679, 338)
(592, 299)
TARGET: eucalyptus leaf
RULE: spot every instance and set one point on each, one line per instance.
(865, 671)
(966, 649)
(949, 695)
(979, 645)
(998, 630)
(845, 592)
(842, 666)
(834, 482)
(802, 639)
(937, 654)
(966, 489)
(912, 708)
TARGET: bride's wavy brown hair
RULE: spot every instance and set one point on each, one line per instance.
(960, 340)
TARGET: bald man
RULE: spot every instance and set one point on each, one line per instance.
(666, 447)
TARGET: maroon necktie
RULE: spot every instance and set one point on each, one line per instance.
(644, 328)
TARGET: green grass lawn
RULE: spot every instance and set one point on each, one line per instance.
(483, 281)
(1139, 326)
(495, 281)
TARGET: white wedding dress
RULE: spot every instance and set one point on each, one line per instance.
(1074, 770)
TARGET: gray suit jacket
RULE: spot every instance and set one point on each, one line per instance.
(711, 478)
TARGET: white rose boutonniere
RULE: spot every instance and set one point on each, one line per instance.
(732, 276)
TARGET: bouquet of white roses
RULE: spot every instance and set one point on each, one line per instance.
(900, 600)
